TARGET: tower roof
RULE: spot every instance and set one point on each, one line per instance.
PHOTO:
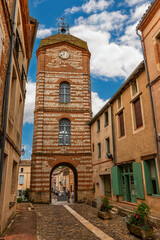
(58, 38)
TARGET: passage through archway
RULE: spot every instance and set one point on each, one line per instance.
(63, 183)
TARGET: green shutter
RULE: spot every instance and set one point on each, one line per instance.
(147, 177)
(138, 180)
(116, 181)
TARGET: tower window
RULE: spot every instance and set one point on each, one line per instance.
(64, 132)
(64, 92)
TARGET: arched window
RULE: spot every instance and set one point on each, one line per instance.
(64, 92)
(64, 132)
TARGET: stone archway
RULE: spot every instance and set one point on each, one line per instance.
(69, 165)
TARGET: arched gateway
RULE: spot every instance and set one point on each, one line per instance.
(75, 180)
(62, 113)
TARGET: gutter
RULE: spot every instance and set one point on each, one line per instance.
(7, 83)
(152, 106)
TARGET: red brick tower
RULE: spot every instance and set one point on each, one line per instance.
(62, 113)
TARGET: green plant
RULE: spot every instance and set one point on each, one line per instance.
(31, 200)
(26, 193)
(139, 216)
(19, 200)
(105, 207)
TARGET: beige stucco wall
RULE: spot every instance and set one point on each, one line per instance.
(27, 177)
(101, 166)
(8, 194)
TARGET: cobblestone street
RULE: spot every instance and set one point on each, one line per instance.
(66, 222)
(55, 222)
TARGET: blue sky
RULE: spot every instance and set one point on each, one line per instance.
(108, 26)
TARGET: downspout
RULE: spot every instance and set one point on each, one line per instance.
(152, 107)
(113, 140)
(8, 76)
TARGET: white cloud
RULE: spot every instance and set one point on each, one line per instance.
(105, 21)
(97, 103)
(108, 59)
(93, 5)
(90, 6)
(135, 2)
(29, 103)
(44, 32)
(139, 11)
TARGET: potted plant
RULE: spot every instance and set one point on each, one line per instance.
(137, 222)
(104, 209)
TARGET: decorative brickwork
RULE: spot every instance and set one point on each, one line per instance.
(52, 69)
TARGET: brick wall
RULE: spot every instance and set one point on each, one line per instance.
(47, 153)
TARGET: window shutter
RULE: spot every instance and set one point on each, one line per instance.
(116, 181)
(147, 177)
(138, 180)
(138, 113)
(121, 124)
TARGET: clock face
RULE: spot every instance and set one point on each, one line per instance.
(64, 54)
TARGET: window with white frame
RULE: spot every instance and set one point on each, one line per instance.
(21, 179)
(64, 92)
(64, 132)
(21, 170)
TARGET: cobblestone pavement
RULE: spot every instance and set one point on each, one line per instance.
(56, 223)
(115, 228)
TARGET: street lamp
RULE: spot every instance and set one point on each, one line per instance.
(22, 150)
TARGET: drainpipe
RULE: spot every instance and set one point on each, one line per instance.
(7, 83)
(152, 107)
(113, 140)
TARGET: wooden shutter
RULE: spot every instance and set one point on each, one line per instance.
(121, 124)
(116, 181)
(138, 113)
(138, 180)
(147, 177)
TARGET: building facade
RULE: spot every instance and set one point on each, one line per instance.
(132, 168)
(24, 177)
(149, 31)
(102, 152)
(16, 44)
(62, 114)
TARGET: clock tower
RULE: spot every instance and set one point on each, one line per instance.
(62, 114)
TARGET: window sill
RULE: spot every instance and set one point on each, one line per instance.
(156, 195)
(106, 124)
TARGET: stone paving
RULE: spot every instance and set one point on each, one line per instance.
(115, 228)
(55, 222)
(23, 226)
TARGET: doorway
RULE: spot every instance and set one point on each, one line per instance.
(129, 194)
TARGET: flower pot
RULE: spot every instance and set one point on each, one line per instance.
(104, 215)
(144, 233)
